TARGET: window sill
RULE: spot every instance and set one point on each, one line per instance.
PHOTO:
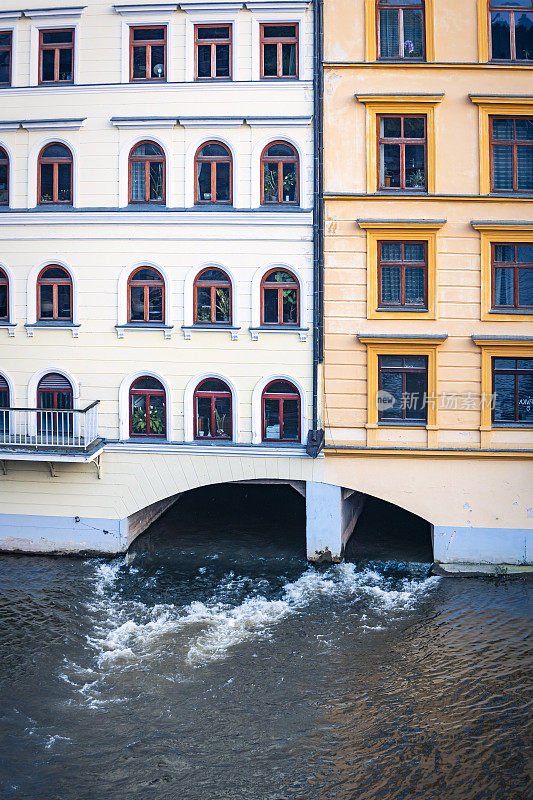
(144, 326)
(9, 327)
(402, 310)
(61, 326)
(515, 311)
(403, 192)
(399, 424)
(511, 425)
(188, 329)
(302, 332)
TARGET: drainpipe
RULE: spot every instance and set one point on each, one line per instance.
(315, 439)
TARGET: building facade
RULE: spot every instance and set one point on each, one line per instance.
(428, 265)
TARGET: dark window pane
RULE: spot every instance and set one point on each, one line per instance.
(415, 166)
(5, 58)
(502, 167)
(212, 385)
(280, 277)
(54, 272)
(524, 363)
(148, 34)
(503, 287)
(280, 149)
(271, 305)
(204, 181)
(271, 183)
(280, 387)
(213, 150)
(155, 303)
(65, 65)
(290, 419)
(57, 37)
(525, 287)
(270, 60)
(418, 362)
(288, 60)
(391, 127)
(414, 286)
(156, 180)
(524, 129)
(223, 417)
(47, 302)
(290, 306)
(502, 129)
(139, 62)
(525, 168)
(524, 254)
(5, 38)
(390, 165)
(272, 428)
(203, 304)
(137, 304)
(147, 383)
(504, 252)
(146, 274)
(279, 31)
(391, 251)
(64, 310)
(501, 34)
(47, 183)
(415, 401)
(137, 181)
(64, 400)
(3, 301)
(47, 73)
(525, 398)
(391, 382)
(157, 62)
(216, 32)
(391, 361)
(138, 414)
(147, 149)
(222, 177)
(413, 251)
(64, 172)
(389, 36)
(3, 183)
(203, 419)
(504, 363)
(157, 415)
(524, 36)
(504, 386)
(390, 285)
(413, 34)
(289, 183)
(204, 61)
(414, 127)
(56, 151)
(213, 275)
(46, 400)
(222, 304)
(222, 60)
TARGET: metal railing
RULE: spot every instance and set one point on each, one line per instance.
(43, 428)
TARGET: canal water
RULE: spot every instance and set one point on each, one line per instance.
(215, 664)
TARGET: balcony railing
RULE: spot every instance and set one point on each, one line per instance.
(49, 429)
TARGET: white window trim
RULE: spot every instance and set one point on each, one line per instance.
(214, 17)
(188, 292)
(10, 293)
(10, 26)
(10, 173)
(122, 290)
(190, 153)
(259, 18)
(188, 406)
(123, 168)
(256, 292)
(33, 166)
(257, 409)
(160, 18)
(306, 200)
(32, 396)
(31, 291)
(10, 388)
(34, 48)
(124, 403)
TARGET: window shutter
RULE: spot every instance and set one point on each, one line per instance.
(54, 382)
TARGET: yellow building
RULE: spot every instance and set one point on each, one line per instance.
(428, 264)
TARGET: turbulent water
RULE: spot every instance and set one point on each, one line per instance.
(216, 664)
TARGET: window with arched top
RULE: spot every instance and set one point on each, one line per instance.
(147, 408)
(4, 296)
(54, 294)
(55, 398)
(213, 410)
(147, 173)
(146, 296)
(212, 297)
(4, 178)
(4, 406)
(213, 174)
(281, 412)
(54, 174)
(280, 298)
(280, 174)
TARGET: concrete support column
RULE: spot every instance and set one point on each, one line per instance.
(331, 515)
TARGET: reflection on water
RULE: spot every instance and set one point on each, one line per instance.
(216, 663)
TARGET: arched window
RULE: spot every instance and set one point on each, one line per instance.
(212, 410)
(280, 174)
(147, 408)
(4, 178)
(4, 405)
(147, 173)
(4, 297)
(146, 296)
(213, 174)
(55, 398)
(55, 174)
(280, 299)
(281, 412)
(54, 294)
(212, 297)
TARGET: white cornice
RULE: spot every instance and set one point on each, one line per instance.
(211, 122)
(146, 9)
(65, 12)
(55, 124)
(144, 122)
(299, 87)
(276, 122)
(278, 6)
(203, 7)
(169, 217)
(197, 449)
(10, 16)
(9, 126)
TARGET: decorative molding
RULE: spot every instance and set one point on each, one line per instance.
(232, 329)
(144, 122)
(378, 224)
(211, 122)
(501, 99)
(158, 217)
(146, 9)
(9, 16)
(254, 332)
(203, 7)
(278, 122)
(52, 124)
(376, 99)
(278, 6)
(302, 87)
(66, 12)
(59, 326)
(482, 31)
(9, 126)
(9, 327)
(226, 449)
(133, 326)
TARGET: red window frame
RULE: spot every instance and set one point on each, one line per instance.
(401, 7)
(403, 142)
(4, 281)
(54, 423)
(147, 284)
(147, 393)
(402, 265)
(516, 372)
(54, 282)
(7, 48)
(55, 160)
(403, 370)
(56, 48)
(213, 44)
(515, 265)
(511, 10)
(148, 43)
(281, 397)
(280, 161)
(279, 41)
(213, 286)
(514, 143)
(280, 286)
(4, 162)
(147, 161)
(213, 160)
(213, 395)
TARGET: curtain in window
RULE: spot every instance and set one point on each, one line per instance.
(503, 289)
(413, 45)
(389, 34)
(525, 168)
(390, 285)
(414, 285)
(137, 180)
(502, 165)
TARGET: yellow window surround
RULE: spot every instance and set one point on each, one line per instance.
(493, 106)
(405, 230)
(483, 30)
(423, 104)
(371, 38)
(395, 346)
(494, 347)
(490, 233)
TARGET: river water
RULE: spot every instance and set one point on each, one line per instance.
(215, 664)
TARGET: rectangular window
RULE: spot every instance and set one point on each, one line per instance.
(512, 276)
(279, 51)
(403, 388)
(512, 385)
(511, 154)
(400, 29)
(511, 30)
(6, 46)
(148, 53)
(56, 56)
(212, 48)
(402, 152)
(402, 275)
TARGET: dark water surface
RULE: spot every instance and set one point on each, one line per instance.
(217, 665)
